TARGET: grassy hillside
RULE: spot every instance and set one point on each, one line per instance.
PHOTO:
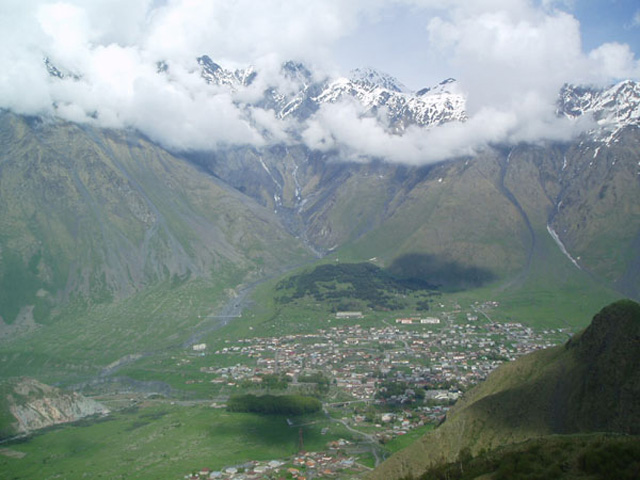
(481, 226)
(99, 215)
(566, 457)
(161, 440)
(112, 247)
(84, 341)
(457, 214)
(590, 384)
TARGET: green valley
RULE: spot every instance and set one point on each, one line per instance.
(225, 256)
(166, 284)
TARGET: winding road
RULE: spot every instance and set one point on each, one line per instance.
(373, 442)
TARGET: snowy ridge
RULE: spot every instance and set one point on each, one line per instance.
(369, 77)
(375, 91)
(613, 108)
(214, 74)
(402, 108)
(298, 94)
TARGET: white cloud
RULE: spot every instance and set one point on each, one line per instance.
(613, 60)
(511, 56)
(501, 57)
(343, 127)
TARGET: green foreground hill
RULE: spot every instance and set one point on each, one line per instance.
(590, 384)
(560, 457)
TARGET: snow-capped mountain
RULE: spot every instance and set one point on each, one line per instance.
(298, 94)
(297, 99)
(613, 108)
(379, 92)
(214, 74)
(370, 77)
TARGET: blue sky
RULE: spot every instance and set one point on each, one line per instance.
(396, 39)
(609, 21)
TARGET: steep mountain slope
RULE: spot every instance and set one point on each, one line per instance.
(505, 210)
(98, 215)
(597, 215)
(590, 384)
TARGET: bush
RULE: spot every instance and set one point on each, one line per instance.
(274, 404)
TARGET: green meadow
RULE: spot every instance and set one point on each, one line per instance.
(162, 440)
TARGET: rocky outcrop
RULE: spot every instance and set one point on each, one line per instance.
(34, 405)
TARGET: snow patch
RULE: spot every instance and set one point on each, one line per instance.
(556, 238)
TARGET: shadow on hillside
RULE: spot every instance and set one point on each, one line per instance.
(448, 275)
(259, 432)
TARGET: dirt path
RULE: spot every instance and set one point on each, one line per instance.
(370, 439)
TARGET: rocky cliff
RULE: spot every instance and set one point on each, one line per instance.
(29, 405)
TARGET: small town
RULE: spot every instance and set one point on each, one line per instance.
(299, 467)
(386, 380)
(429, 353)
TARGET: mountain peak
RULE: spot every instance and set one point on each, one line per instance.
(613, 108)
(206, 63)
(613, 331)
(450, 85)
(375, 78)
(297, 71)
(214, 74)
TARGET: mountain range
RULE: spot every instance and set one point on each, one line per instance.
(93, 216)
(531, 193)
(115, 245)
(372, 90)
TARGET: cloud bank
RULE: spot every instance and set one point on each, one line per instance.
(510, 56)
